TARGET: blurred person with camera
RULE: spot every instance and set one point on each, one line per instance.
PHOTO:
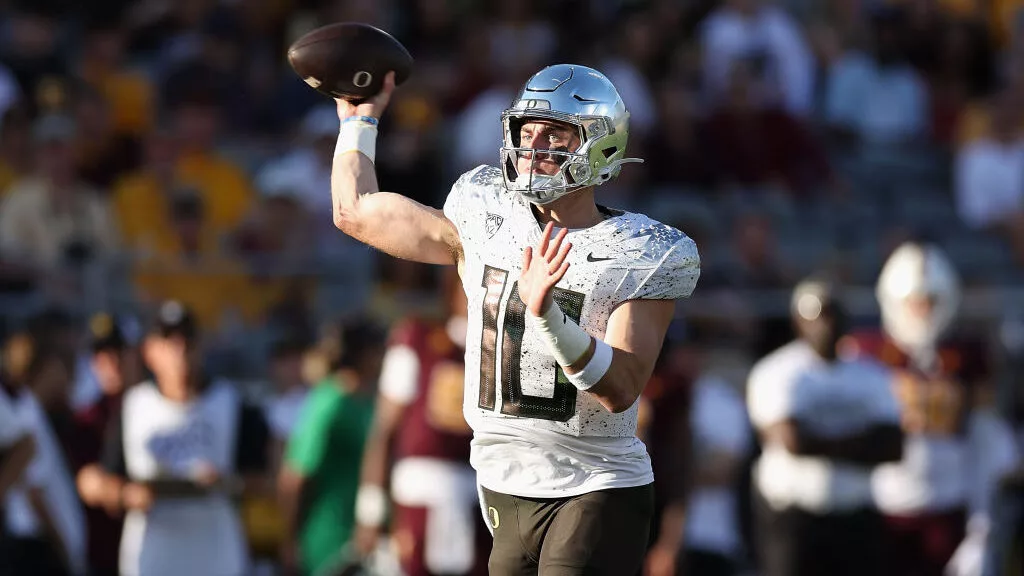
(824, 424)
(937, 499)
(416, 479)
(179, 451)
(319, 478)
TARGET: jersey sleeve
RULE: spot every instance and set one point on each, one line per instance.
(673, 264)
(460, 205)
(475, 203)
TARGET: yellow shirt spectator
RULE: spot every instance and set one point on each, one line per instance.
(142, 209)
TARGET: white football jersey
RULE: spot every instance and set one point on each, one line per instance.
(535, 434)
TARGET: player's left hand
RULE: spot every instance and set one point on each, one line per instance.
(543, 267)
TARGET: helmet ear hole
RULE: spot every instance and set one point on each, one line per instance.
(609, 152)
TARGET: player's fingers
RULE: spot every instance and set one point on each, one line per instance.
(542, 249)
(344, 108)
(556, 244)
(560, 257)
(527, 257)
(557, 276)
(380, 101)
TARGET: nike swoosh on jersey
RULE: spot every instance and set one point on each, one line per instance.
(592, 258)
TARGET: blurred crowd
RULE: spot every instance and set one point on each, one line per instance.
(165, 210)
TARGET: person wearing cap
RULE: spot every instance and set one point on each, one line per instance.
(113, 364)
(824, 423)
(180, 449)
(52, 219)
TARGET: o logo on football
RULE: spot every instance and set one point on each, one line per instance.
(362, 79)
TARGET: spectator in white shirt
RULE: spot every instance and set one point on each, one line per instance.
(990, 176)
(877, 98)
(823, 423)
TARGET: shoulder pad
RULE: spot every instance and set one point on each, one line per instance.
(665, 259)
(471, 193)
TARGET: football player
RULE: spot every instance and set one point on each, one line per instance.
(935, 500)
(420, 442)
(564, 324)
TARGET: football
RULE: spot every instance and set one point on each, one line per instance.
(349, 60)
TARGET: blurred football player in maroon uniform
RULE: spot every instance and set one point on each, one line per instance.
(420, 445)
(935, 500)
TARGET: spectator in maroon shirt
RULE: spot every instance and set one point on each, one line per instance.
(115, 364)
(755, 145)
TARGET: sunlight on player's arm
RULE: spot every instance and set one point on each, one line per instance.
(635, 331)
(388, 221)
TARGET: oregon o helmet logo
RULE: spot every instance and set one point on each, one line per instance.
(362, 79)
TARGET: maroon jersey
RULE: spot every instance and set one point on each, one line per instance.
(934, 400)
(433, 425)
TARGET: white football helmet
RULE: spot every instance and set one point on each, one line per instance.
(914, 274)
(584, 98)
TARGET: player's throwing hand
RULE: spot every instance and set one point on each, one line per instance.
(542, 269)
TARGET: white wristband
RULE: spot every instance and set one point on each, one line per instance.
(357, 136)
(595, 369)
(371, 505)
(566, 341)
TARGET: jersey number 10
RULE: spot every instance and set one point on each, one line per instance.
(562, 404)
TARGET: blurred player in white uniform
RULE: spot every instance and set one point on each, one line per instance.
(936, 500)
(565, 323)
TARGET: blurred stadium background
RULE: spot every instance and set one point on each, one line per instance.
(154, 149)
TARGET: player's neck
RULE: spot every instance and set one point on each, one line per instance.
(576, 210)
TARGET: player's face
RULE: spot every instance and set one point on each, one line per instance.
(543, 136)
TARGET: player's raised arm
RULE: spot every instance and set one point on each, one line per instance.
(387, 221)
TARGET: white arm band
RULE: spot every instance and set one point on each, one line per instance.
(568, 343)
(357, 135)
(595, 369)
(371, 505)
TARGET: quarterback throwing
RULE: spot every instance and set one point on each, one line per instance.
(568, 304)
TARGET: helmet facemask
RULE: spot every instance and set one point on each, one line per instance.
(574, 171)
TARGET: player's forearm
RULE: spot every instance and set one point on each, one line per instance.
(621, 385)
